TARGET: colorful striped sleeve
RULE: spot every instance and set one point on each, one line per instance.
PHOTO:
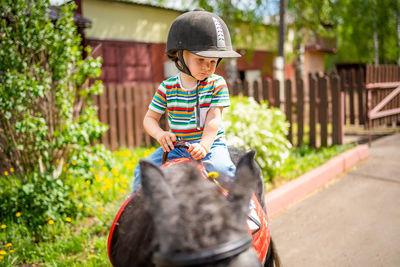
(220, 95)
(159, 102)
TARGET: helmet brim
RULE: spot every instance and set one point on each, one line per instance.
(217, 54)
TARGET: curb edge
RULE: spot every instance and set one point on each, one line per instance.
(290, 193)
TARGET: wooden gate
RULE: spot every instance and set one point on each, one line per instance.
(383, 95)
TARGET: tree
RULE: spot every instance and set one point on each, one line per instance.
(234, 15)
(47, 115)
(368, 31)
(46, 108)
(313, 19)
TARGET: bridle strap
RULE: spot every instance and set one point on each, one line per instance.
(218, 253)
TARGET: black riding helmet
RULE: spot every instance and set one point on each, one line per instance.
(201, 33)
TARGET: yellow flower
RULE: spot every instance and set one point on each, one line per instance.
(296, 166)
(91, 256)
(123, 191)
(117, 166)
(51, 222)
(114, 172)
(105, 169)
(68, 219)
(1, 257)
(91, 170)
(73, 162)
(2, 252)
(11, 169)
(213, 175)
(101, 162)
(80, 206)
(124, 185)
(47, 218)
(88, 209)
(11, 251)
(103, 188)
(3, 226)
(6, 173)
(8, 245)
(18, 214)
(57, 161)
(96, 176)
(87, 182)
(100, 209)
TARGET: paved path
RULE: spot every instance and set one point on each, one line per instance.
(354, 221)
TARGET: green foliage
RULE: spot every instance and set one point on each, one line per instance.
(66, 240)
(46, 107)
(48, 120)
(304, 159)
(358, 19)
(250, 125)
(38, 198)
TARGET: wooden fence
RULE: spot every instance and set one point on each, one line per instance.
(122, 108)
(316, 114)
(309, 116)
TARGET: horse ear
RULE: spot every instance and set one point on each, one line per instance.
(154, 186)
(244, 185)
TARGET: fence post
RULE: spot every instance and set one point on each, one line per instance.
(323, 104)
(130, 132)
(266, 90)
(361, 92)
(121, 120)
(237, 88)
(113, 117)
(337, 127)
(246, 88)
(344, 88)
(277, 100)
(313, 122)
(351, 93)
(288, 108)
(256, 91)
(103, 111)
(300, 111)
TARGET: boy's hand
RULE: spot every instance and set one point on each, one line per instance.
(197, 151)
(166, 140)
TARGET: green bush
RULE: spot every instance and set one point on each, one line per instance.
(251, 125)
(39, 198)
(47, 116)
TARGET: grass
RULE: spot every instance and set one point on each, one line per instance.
(304, 159)
(83, 241)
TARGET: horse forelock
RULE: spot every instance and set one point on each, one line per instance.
(204, 216)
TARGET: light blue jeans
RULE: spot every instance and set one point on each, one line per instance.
(218, 160)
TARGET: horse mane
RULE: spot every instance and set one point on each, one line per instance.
(203, 218)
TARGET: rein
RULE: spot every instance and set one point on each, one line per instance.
(218, 253)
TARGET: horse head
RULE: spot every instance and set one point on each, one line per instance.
(194, 224)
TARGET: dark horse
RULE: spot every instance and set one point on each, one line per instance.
(179, 218)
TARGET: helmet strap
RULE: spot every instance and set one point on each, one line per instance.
(180, 63)
(182, 67)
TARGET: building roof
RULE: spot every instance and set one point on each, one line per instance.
(150, 3)
(79, 20)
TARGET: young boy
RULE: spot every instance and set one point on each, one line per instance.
(195, 97)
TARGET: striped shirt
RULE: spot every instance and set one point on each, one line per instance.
(181, 104)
